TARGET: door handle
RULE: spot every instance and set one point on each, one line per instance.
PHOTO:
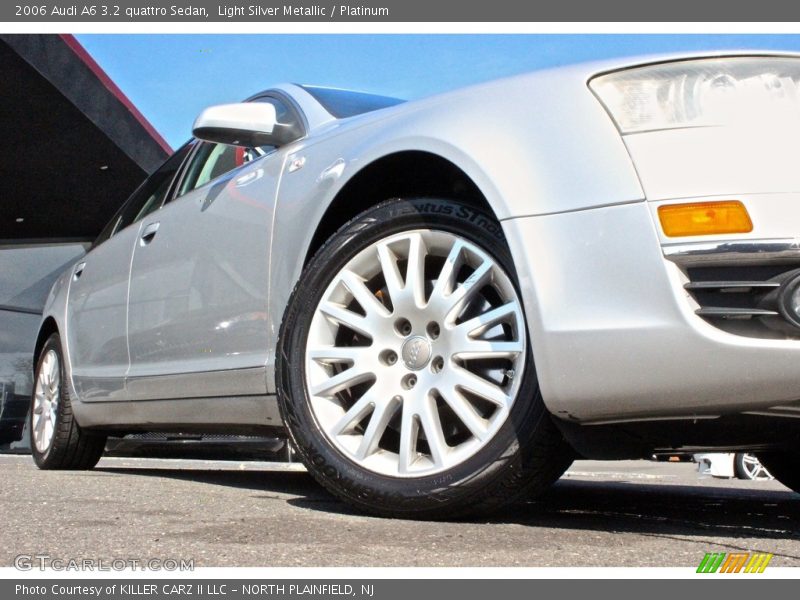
(148, 233)
(76, 274)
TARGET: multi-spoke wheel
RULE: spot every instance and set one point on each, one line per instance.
(412, 353)
(405, 374)
(57, 442)
(747, 466)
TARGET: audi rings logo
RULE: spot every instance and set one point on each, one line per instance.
(416, 352)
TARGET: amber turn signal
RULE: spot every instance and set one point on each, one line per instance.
(704, 218)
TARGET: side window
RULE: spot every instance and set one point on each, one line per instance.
(212, 160)
(148, 197)
(154, 200)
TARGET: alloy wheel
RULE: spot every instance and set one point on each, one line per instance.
(413, 352)
(46, 396)
(753, 469)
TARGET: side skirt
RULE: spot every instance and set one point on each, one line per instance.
(244, 415)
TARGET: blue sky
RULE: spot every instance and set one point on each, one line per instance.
(170, 78)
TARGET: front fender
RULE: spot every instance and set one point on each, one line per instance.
(55, 309)
(536, 144)
(533, 145)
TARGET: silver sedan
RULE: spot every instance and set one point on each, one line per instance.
(443, 302)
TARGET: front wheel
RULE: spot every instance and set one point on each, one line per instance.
(405, 373)
(57, 441)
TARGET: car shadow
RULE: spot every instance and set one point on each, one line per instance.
(645, 508)
(662, 509)
(284, 482)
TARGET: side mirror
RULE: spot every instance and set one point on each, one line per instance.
(249, 124)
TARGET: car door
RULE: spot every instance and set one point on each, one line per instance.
(197, 320)
(96, 330)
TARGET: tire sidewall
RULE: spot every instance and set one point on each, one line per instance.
(355, 482)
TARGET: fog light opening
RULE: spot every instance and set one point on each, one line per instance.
(789, 302)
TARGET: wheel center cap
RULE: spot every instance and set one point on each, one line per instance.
(416, 352)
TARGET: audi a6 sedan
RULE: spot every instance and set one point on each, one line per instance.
(445, 301)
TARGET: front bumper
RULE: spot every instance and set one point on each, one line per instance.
(615, 334)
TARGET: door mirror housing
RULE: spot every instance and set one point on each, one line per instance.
(248, 124)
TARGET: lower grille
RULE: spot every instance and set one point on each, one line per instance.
(743, 299)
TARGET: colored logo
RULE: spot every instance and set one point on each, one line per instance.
(737, 562)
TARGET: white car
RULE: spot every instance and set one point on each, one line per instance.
(728, 465)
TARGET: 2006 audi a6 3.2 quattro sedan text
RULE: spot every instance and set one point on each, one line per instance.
(445, 301)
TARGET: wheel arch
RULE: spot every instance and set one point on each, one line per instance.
(407, 165)
(401, 173)
(47, 328)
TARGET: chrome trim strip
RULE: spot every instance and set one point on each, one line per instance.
(732, 286)
(734, 313)
(734, 252)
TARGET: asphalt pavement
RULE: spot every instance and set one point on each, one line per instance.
(628, 513)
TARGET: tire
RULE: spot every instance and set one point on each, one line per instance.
(783, 466)
(747, 466)
(435, 476)
(57, 441)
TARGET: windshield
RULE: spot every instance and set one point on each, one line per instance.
(344, 103)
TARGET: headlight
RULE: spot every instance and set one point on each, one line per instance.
(702, 93)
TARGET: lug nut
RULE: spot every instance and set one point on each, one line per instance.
(388, 357)
(403, 327)
(433, 330)
(409, 381)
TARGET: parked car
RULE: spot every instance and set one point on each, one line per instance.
(444, 301)
(740, 465)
